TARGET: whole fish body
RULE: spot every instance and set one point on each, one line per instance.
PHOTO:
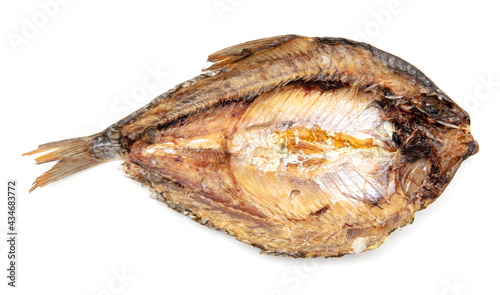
(298, 146)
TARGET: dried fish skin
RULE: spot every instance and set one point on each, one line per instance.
(299, 146)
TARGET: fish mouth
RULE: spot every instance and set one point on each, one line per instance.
(472, 149)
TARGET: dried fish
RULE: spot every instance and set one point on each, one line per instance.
(298, 146)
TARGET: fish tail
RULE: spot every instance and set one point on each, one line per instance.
(76, 154)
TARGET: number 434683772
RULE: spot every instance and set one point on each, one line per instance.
(11, 205)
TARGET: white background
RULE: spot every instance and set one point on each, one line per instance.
(82, 67)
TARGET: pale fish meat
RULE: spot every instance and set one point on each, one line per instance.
(298, 146)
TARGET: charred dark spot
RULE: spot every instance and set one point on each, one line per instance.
(396, 139)
(393, 229)
(472, 149)
(320, 211)
(308, 89)
(438, 109)
(300, 255)
(432, 105)
(436, 182)
(150, 135)
(245, 52)
(404, 128)
(387, 93)
(417, 146)
(179, 122)
(342, 41)
(452, 117)
(428, 193)
(467, 119)
(323, 85)
(285, 124)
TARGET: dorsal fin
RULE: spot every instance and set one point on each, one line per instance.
(241, 51)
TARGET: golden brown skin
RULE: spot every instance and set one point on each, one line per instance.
(299, 146)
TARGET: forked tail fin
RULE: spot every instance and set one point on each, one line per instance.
(76, 154)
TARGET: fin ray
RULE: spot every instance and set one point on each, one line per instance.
(71, 155)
